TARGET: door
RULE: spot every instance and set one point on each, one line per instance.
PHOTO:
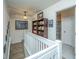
(68, 30)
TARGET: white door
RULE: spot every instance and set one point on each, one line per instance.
(68, 30)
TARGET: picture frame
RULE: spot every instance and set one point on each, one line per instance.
(40, 15)
(4, 49)
(21, 25)
(50, 23)
(6, 38)
(8, 27)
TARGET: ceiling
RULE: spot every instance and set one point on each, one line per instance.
(31, 6)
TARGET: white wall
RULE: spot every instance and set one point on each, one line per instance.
(5, 20)
(18, 35)
(5, 23)
(50, 13)
(30, 24)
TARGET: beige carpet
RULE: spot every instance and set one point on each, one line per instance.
(17, 51)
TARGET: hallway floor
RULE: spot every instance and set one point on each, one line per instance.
(68, 52)
(17, 51)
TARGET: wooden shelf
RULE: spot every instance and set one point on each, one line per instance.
(34, 24)
(41, 19)
(41, 27)
(41, 30)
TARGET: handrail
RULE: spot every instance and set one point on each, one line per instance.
(36, 55)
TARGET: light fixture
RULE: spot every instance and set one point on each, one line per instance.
(24, 17)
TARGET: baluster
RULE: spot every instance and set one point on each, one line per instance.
(37, 45)
(31, 38)
(40, 45)
(43, 45)
(26, 39)
(54, 56)
(29, 42)
(46, 46)
(33, 45)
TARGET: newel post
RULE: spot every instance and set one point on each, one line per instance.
(59, 43)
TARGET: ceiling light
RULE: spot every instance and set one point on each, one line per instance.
(24, 17)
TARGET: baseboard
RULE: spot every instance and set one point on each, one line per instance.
(16, 42)
(68, 45)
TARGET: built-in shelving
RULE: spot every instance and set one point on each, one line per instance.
(40, 27)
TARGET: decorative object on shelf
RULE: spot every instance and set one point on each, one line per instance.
(50, 23)
(40, 15)
(20, 25)
(25, 17)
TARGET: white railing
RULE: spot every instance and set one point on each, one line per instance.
(42, 48)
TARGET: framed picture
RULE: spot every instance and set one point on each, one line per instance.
(6, 38)
(40, 16)
(20, 25)
(4, 48)
(50, 23)
(8, 27)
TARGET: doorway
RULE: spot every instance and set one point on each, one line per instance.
(58, 26)
(65, 31)
(65, 26)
